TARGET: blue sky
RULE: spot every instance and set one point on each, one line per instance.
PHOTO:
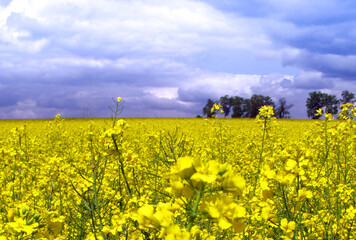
(166, 58)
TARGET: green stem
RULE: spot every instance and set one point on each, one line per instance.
(286, 204)
(260, 159)
(195, 209)
(50, 195)
(122, 166)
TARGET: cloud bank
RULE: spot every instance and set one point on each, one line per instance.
(166, 58)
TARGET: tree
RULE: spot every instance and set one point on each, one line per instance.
(347, 97)
(282, 109)
(246, 105)
(331, 103)
(255, 103)
(237, 107)
(314, 102)
(318, 100)
(207, 109)
(226, 103)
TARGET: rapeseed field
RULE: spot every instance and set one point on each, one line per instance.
(262, 178)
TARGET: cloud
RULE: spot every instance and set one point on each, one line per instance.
(66, 56)
(214, 85)
(319, 32)
(113, 28)
(166, 58)
(330, 65)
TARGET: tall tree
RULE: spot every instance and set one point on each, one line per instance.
(207, 108)
(246, 106)
(226, 103)
(282, 109)
(237, 107)
(331, 103)
(314, 102)
(347, 97)
(318, 100)
(255, 103)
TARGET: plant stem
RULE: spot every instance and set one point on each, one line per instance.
(260, 159)
(195, 209)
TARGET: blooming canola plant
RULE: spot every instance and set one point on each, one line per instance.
(260, 178)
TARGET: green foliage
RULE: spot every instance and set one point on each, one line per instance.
(330, 104)
(246, 108)
(314, 102)
(226, 103)
(238, 107)
(347, 97)
(207, 108)
(255, 103)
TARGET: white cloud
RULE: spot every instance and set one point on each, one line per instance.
(162, 92)
(106, 28)
(24, 110)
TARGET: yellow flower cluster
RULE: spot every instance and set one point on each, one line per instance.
(216, 109)
(179, 178)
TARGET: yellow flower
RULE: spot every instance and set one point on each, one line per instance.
(288, 228)
(163, 215)
(215, 107)
(54, 222)
(205, 172)
(195, 232)
(328, 116)
(319, 112)
(234, 183)
(350, 213)
(285, 178)
(268, 172)
(183, 168)
(290, 165)
(224, 223)
(303, 194)
(180, 188)
(266, 212)
(266, 111)
(266, 191)
(225, 210)
(175, 233)
(11, 214)
(118, 99)
(145, 217)
(21, 226)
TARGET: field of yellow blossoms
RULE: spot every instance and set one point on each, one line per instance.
(262, 178)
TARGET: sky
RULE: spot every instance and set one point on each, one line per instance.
(165, 58)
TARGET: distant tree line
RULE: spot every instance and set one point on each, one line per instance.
(239, 107)
(247, 107)
(329, 103)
